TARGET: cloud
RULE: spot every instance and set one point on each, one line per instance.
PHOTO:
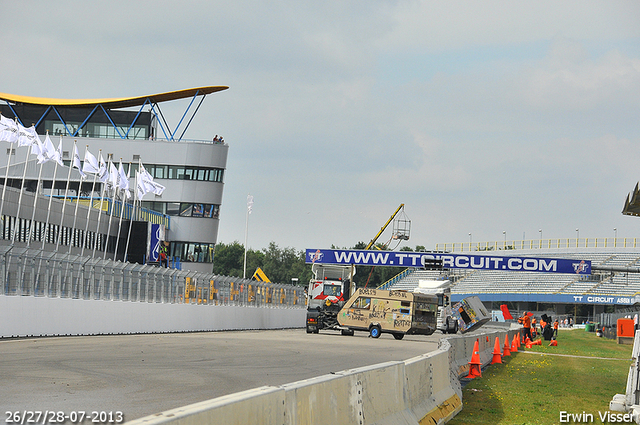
(481, 117)
(569, 80)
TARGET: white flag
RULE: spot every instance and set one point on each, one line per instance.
(249, 203)
(151, 185)
(114, 177)
(124, 179)
(90, 163)
(8, 130)
(57, 156)
(47, 151)
(28, 137)
(103, 174)
(76, 161)
(141, 187)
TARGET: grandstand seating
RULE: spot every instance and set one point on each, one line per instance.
(497, 282)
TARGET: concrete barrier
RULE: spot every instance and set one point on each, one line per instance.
(423, 389)
(43, 316)
(260, 406)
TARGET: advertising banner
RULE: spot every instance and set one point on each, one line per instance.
(449, 261)
(156, 236)
(553, 298)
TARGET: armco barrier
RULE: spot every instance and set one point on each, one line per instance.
(423, 389)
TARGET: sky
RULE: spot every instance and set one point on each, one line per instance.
(485, 119)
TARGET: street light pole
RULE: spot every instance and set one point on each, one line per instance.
(540, 245)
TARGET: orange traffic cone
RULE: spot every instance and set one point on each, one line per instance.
(538, 342)
(514, 344)
(497, 357)
(553, 343)
(475, 364)
(507, 351)
(519, 339)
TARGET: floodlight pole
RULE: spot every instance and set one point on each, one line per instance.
(246, 232)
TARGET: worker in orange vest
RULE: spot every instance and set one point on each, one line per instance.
(525, 320)
(555, 328)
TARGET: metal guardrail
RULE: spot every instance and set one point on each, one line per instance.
(538, 244)
(46, 274)
(395, 279)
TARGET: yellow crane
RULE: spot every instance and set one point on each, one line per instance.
(401, 227)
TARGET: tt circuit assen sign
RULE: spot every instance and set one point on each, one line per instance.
(449, 261)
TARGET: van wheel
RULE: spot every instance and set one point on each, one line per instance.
(398, 336)
(375, 331)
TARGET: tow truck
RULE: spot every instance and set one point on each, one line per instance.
(332, 285)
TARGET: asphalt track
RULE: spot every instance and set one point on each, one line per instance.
(140, 375)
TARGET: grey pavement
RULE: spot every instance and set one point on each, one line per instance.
(141, 375)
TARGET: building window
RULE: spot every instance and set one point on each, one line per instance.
(175, 172)
(192, 252)
(184, 209)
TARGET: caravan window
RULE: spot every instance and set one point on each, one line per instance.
(362, 302)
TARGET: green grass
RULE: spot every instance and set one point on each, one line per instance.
(534, 388)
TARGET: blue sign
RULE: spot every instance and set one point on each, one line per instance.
(449, 261)
(155, 239)
(551, 298)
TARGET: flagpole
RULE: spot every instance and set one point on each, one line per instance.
(246, 233)
(53, 184)
(6, 178)
(24, 175)
(133, 210)
(86, 227)
(75, 217)
(125, 192)
(64, 204)
(113, 204)
(104, 186)
(44, 158)
(113, 207)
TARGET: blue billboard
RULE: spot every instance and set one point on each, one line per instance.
(551, 298)
(449, 261)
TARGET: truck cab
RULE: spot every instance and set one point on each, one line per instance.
(441, 289)
(327, 292)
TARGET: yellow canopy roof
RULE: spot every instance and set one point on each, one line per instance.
(115, 103)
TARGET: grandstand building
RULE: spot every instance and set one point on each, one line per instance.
(614, 285)
(130, 129)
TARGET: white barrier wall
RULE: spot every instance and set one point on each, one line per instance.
(43, 316)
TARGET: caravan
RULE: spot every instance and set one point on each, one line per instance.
(396, 312)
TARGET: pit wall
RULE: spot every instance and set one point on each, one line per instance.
(421, 390)
(22, 316)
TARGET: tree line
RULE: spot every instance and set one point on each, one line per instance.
(287, 265)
